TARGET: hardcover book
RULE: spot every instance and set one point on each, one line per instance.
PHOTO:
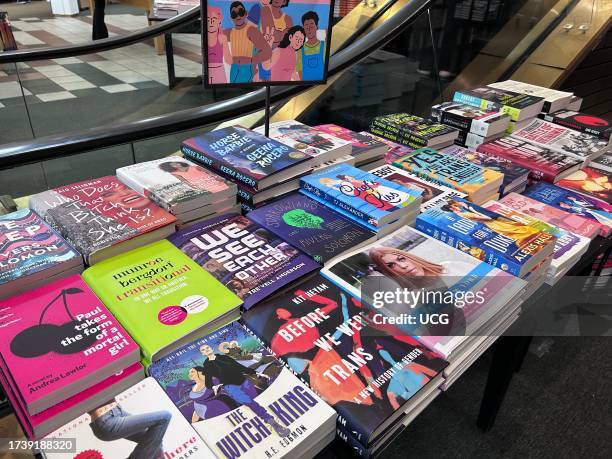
(240, 399)
(102, 217)
(553, 99)
(470, 119)
(432, 193)
(246, 156)
(161, 297)
(574, 203)
(176, 184)
(513, 174)
(414, 131)
(583, 122)
(58, 340)
(595, 183)
(563, 140)
(316, 144)
(553, 215)
(544, 163)
(456, 173)
(31, 251)
(246, 258)
(488, 236)
(517, 106)
(365, 148)
(107, 432)
(370, 375)
(369, 198)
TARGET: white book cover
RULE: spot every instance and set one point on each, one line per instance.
(433, 193)
(139, 423)
(554, 99)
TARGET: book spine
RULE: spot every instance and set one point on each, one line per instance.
(462, 98)
(347, 437)
(322, 195)
(245, 196)
(341, 422)
(456, 121)
(218, 166)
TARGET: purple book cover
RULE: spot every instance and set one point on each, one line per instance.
(248, 259)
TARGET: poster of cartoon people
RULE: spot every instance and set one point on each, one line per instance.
(267, 42)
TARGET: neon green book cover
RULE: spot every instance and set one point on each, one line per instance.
(162, 297)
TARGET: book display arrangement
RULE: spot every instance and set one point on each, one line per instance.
(332, 220)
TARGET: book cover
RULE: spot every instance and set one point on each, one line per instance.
(173, 181)
(432, 193)
(239, 398)
(517, 106)
(421, 131)
(553, 215)
(96, 214)
(309, 140)
(512, 173)
(366, 372)
(574, 203)
(561, 139)
(28, 245)
(604, 162)
(160, 295)
(139, 423)
(246, 258)
(242, 154)
(363, 145)
(58, 338)
(394, 150)
(553, 99)
(450, 171)
(487, 236)
(596, 183)
(369, 198)
(583, 122)
(544, 163)
(311, 227)
(469, 118)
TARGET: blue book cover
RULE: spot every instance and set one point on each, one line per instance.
(368, 197)
(487, 235)
(571, 202)
(311, 226)
(244, 155)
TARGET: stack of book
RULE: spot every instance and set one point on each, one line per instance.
(32, 253)
(583, 122)
(394, 149)
(63, 353)
(476, 126)
(261, 167)
(515, 176)
(554, 100)
(590, 181)
(139, 422)
(375, 203)
(103, 217)
(368, 151)
(185, 189)
(239, 398)
(162, 297)
(480, 184)
(413, 131)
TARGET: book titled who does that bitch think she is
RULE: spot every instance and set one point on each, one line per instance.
(162, 297)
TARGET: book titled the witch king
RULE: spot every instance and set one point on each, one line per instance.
(241, 400)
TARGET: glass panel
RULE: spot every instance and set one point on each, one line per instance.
(23, 180)
(14, 123)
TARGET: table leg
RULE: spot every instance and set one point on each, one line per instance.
(170, 60)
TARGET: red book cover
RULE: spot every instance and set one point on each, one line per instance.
(596, 183)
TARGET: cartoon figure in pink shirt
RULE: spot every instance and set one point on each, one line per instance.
(284, 58)
(218, 48)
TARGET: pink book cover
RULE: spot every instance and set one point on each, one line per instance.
(557, 217)
(83, 398)
(56, 335)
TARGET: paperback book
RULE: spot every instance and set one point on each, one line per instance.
(369, 198)
(475, 181)
(162, 297)
(31, 252)
(394, 150)
(365, 148)
(362, 370)
(543, 163)
(488, 236)
(311, 227)
(240, 399)
(553, 99)
(412, 130)
(583, 122)
(107, 431)
(246, 156)
(57, 341)
(592, 182)
(518, 106)
(470, 119)
(246, 258)
(102, 217)
(316, 144)
(176, 184)
(473, 141)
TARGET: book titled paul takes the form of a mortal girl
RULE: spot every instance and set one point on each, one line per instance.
(58, 340)
(139, 423)
(241, 400)
(162, 297)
